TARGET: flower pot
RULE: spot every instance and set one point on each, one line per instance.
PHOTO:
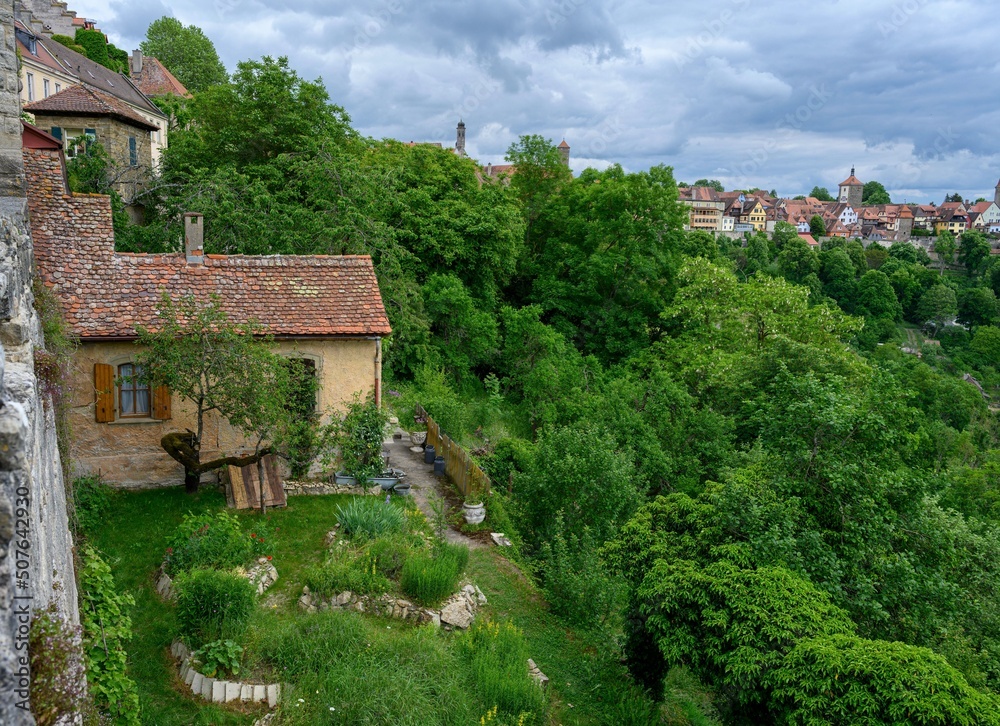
(417, 438)
(343, 478)
(402, 488)
(386, 482)
(474, 513)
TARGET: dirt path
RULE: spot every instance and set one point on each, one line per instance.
(422, 483)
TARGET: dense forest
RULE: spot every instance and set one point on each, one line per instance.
(717, 451)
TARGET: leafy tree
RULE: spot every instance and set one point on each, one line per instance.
(876, 255)
(985, 345)
(540, 174)
(838, 276)
(95, 45)
(875, 193)
(937, 306)
(758, 254)
(944, 247)
(848, 680)
(822, 194)
(956, 197)
(977, 306)
(69, 43)
(817, 227)
(186, 51)
(699, 243)
(464, 336)
(856, 251)
(797, 260)
(220, 366)
(711, 183)
(903, 251)
(974, 252)
(876, 298)
(606, 268)
(783, 233)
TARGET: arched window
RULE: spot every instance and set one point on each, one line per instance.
(133, 392)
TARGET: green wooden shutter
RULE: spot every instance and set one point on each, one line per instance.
(57, 132)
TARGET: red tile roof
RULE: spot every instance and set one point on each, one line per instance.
(86, 101)
(105, 294)
(156, 80)
(852, 181)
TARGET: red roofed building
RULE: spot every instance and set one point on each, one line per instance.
(324, 310)
(153, 78)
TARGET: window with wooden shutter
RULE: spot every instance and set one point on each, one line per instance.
(57, 132)
(161, 403)
(104, 391)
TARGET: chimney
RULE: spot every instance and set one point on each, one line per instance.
(136, 63)
(194, 238)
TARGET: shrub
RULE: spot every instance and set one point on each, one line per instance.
(106, 629)
(219, 655)
(498, 659)
(389, 554)
(58, 687)
(575, 582)
(371, 517)
(429, 579)
(361, 434)
(91, 502)
(213, 605)
(346, 570)
(215, 541)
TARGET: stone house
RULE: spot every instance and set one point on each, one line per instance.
(84, 112)
(324, 310)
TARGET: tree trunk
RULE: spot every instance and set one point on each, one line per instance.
(180, 446)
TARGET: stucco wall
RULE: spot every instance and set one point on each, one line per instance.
(129, 454)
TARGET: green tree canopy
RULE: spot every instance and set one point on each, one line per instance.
(937, 306)
(875, 193)
(822, 194)
(712, 183)
(186, 52)
(817, 227)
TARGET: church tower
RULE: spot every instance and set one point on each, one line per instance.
(852, 191)
(996, 197)
(460, 139)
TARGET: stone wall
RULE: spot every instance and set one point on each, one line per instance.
(36, 562)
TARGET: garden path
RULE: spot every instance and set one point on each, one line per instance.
(422, 483)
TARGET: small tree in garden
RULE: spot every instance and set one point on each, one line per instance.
(360, 437)
(221, 366)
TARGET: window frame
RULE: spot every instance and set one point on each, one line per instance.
(30, 78)
(135, 388)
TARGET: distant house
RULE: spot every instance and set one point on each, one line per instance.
(53, 68)
(81, 112)
(705, 208)
(153, 78)
(325, 311)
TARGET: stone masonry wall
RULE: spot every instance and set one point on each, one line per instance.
(36, 548)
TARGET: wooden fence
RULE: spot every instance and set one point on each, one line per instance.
(458, 465)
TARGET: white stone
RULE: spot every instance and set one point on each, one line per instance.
(219, 691)
(246, 691)
(456, 613)
(232, 691)
(189, 676)
(344, 598)
(196, 683)
(273, 694)
(480, 597)
(207, 684)
(259, 693)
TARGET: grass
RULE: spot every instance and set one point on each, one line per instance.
(371, 670)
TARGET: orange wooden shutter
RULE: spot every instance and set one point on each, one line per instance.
(104, 390)
(161, 403)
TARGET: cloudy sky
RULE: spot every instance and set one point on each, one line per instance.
(772, 93)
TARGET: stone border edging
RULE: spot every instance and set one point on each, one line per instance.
(219, 691)
(458, 611)
(306, 488)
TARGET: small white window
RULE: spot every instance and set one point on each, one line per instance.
(31, 86)
(45, 88)
(58, 87)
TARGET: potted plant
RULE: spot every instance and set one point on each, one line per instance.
(474, 510)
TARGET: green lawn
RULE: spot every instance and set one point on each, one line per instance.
(377, 669)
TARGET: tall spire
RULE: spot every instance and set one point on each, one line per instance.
(460, 138)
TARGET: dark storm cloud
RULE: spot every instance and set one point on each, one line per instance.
(771, 92)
